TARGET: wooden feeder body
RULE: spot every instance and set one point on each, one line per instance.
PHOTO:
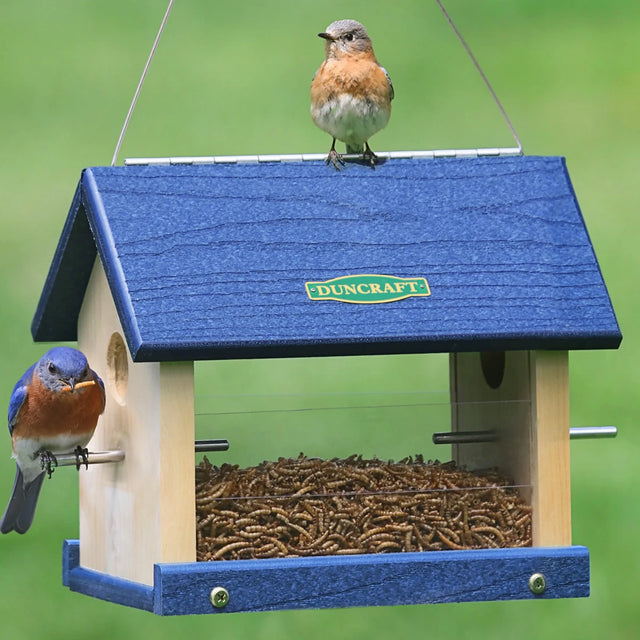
(161, 266)
(532, 445)
(140, 512)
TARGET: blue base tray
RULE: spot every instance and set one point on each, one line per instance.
(341, 581)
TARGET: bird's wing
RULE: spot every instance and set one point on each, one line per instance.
(18, 396)
(98, 379)
(391, 91)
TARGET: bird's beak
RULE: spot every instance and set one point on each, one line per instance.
(71, 382)
(326, 36)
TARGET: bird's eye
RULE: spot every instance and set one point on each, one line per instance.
(349, 37)
(52, 368)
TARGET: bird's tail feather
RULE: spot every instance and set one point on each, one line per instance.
(18, 515)
(357, 150)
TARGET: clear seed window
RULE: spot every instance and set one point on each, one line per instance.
(300, 480)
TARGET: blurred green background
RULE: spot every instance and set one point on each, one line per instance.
(233, 78)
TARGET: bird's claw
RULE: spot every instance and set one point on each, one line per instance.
(334, 158)
(82, 457)
(370, 156)
(48, 462)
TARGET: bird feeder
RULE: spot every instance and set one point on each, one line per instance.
(483, 257)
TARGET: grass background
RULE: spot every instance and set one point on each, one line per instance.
(233, 78)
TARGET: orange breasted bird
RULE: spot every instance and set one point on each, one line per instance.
(54, 408)
(351, 93)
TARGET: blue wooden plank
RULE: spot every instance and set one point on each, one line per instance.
(342, 581)
(57, 313)
(101, 585)
(70, 559)
(211, 261)
(113, 267)
(371, 580)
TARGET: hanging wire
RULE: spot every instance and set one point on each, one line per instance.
(476, 64)
(446, 15)
(142, 78)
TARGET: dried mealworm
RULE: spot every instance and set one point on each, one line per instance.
(391, 544)
(402, 504)
(447, 542)
(492, 530)
(378, 537)
(371, 532)
(232, 546)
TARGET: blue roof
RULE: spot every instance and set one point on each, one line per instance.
(211, 261)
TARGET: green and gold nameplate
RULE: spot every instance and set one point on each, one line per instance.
(367, 289)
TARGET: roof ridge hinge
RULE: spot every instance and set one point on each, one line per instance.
(307, 157)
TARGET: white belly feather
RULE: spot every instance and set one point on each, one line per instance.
(25, 451)
(350, 119)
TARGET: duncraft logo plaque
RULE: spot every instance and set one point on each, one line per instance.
(368, 288)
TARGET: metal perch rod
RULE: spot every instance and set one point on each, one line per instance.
(102, 457)
(211, 445)
(474, 437)
(93, 457)
(579, 433)
(464, 437)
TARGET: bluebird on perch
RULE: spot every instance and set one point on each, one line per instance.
(351, 93)
(54, 408)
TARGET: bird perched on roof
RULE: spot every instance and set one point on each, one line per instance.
(351, 93)
(54, 408)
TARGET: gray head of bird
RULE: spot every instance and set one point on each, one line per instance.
(345, 36)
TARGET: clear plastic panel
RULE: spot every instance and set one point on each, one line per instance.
(327, 466)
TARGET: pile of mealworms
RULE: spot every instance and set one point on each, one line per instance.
(308, 506)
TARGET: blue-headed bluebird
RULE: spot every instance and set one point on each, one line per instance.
(54, 408)
(351, 93)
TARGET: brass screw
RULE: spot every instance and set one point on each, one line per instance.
(537, 584)
(219, 597)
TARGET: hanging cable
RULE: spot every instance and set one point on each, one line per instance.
(445, 13)
(476, 64)
(144, 75)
